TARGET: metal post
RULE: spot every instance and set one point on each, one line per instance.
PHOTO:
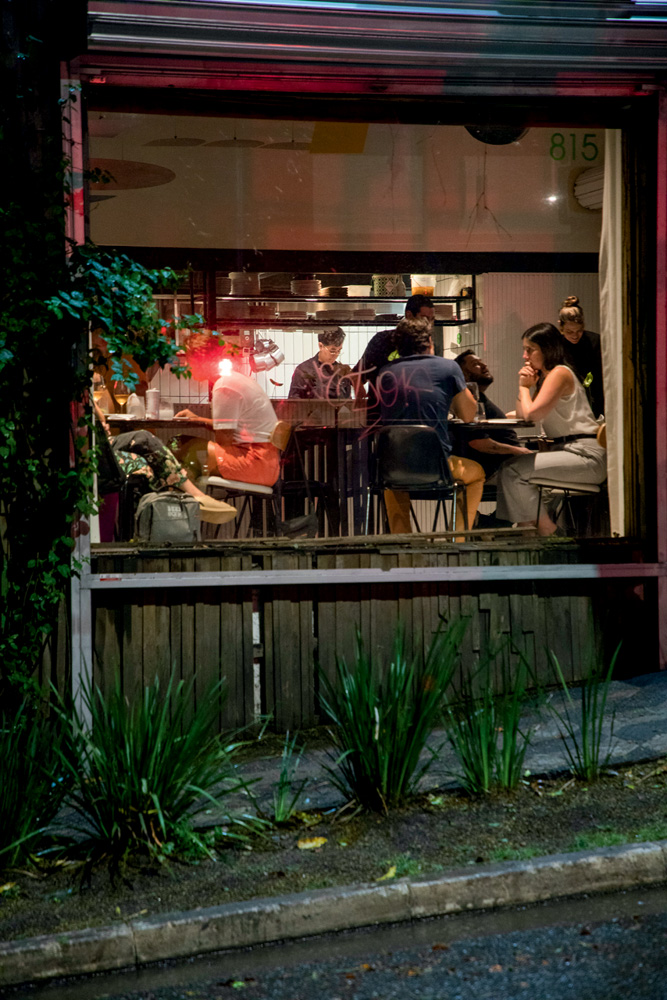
(661, 369)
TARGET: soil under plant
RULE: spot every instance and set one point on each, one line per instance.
(440, 831)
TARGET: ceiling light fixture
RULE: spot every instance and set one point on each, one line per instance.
(235, 143)
(496, 135)
(176, 141)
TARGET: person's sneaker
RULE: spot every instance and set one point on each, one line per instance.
(215, 511)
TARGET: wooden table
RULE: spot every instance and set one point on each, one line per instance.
(122, 421)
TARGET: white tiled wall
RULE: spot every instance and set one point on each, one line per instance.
(298, 345)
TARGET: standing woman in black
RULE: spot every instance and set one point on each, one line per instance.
(582, 352)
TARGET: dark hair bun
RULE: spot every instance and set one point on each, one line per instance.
(570, 301)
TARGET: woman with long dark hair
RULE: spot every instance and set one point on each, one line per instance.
(550, 392)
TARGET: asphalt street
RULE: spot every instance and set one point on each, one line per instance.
(602, 948)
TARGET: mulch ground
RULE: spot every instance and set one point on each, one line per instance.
(440, 831)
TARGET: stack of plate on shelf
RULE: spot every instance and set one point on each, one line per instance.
(335, 292)
(444, 310)
(305, 286)
(225, 309)
(292, 311)
(337, 315)
(244, 282)
(262, 311)
(223, 286)
(364, 314)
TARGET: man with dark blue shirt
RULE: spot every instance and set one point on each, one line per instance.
(419, 388)
(488, 447)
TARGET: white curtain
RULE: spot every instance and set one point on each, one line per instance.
(611, 322)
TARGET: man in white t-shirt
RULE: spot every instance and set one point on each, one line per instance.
(243, 419)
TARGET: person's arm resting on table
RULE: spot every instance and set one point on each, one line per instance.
(490, 447)
(464, 406)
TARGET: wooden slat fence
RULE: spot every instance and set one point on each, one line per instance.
(208, 632)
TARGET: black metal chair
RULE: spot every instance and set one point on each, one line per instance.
(560, 495)
(409, 458)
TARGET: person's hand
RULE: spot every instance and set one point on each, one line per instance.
(527, 376)
(186, 414)
(523, 451)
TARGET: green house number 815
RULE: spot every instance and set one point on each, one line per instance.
(561, 149)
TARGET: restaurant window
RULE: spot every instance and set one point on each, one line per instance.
(290, 230)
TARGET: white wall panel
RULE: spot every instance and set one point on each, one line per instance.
(514, 302)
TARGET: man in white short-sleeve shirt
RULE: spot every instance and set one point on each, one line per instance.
(243, 419)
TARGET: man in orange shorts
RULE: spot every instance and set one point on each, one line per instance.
(243, 419)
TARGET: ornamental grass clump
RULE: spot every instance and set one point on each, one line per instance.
(586, 728)
(484, 728)
(288, 790)
(383, 715)
(144, 770)
(33, 780)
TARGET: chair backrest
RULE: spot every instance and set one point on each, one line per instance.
(411, 456)
(281, 434)
(602, 435)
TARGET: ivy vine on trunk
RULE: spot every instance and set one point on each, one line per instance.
(46, 467)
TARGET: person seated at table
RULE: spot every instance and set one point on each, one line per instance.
(139, 452)
(243, 419)
(323, 377)
(420, 388)
(381, 348)
(549, 391)
(491, 447)
(582, 352)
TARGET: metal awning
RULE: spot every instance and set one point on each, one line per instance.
(567, 40)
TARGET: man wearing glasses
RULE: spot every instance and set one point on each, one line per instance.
(323, 377)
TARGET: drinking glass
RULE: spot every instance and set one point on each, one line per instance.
(121, 392)
(99, 389)
(481, 412)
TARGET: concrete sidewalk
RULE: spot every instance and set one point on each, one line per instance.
(638, 707)
(640, 731)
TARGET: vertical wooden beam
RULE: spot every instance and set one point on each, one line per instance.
(661, 369)
(82, 627)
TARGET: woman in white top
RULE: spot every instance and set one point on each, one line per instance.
(560, 403)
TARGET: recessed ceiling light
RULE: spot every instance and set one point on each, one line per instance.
(552, 198)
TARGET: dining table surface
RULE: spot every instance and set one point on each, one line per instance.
(131, 422)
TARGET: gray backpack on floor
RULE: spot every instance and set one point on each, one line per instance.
(169, 518)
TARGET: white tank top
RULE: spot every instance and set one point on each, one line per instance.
(571, 414)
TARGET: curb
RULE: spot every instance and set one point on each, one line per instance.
(262, 921)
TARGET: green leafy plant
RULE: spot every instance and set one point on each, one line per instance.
(288, 791)
(33, 780)
(143, 772)
(47, 466)
(587, 745)
(484, 728)
(383, 716)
